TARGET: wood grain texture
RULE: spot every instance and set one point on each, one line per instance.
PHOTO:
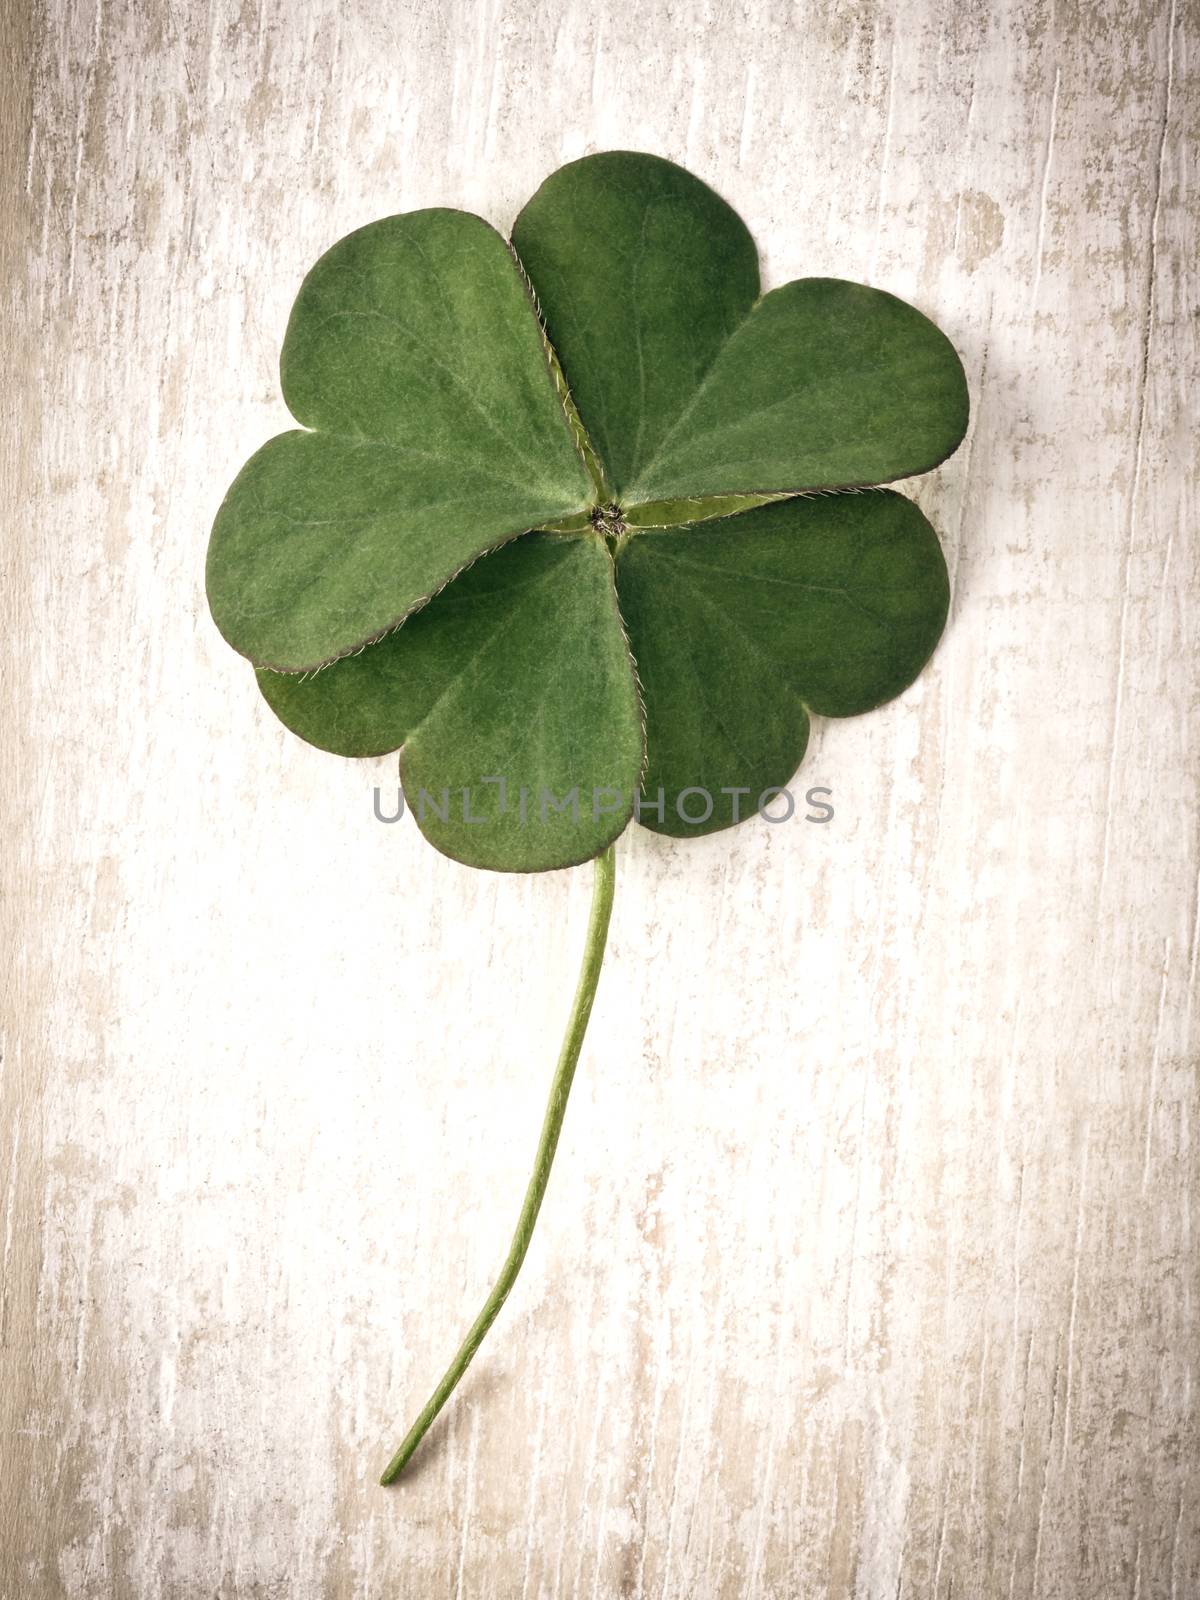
(869, 1267)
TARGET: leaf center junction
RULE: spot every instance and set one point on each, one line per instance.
(608, 520)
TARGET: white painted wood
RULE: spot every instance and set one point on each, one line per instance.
(868, 1267)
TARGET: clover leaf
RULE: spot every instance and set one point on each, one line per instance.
(675, 483)
(585, 525)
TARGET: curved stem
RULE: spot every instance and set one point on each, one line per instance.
(581, 1010)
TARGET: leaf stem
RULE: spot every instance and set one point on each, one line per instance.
(585, 992)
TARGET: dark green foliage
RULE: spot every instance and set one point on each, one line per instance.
(679, 481)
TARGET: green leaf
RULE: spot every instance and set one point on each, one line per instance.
(642, 273)
(825, 385)
(518, 671)
(675, 425)
(414, 352)
(677, 496)
(688, 383)
(743, 627)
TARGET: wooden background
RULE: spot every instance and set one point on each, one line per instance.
(869, 1265)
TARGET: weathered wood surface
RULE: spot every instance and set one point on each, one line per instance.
(869, 1265)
